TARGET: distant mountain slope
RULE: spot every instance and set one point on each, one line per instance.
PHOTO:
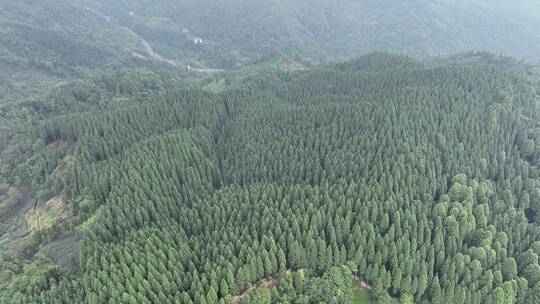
(41, 39)
(225, 32)
(60, 37)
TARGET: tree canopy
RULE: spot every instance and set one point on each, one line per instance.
(420, 178)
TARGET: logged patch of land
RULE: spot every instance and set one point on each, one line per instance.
(45, 214)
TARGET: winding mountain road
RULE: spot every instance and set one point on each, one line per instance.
(147, 46)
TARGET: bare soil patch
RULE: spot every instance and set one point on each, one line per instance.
(56, 143)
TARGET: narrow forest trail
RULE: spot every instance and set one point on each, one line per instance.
(270, 283)
(274, 280)
(363, 284)
(200, 70)
(38, 219)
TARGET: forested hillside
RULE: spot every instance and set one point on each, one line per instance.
(224, 33)
(49, 40)
(420, 180)
(44, 39)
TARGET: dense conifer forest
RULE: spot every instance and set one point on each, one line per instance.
(417, 180)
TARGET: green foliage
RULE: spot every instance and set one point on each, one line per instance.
(48, 39)
(360, 296)
(335, 286)
(412, 174)
(323, 30)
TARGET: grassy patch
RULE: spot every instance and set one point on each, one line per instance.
(47, 221)
(46, 214)
(89, 222)
(216, 86)
(220, 82)
(256, 69)
(360, 295)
